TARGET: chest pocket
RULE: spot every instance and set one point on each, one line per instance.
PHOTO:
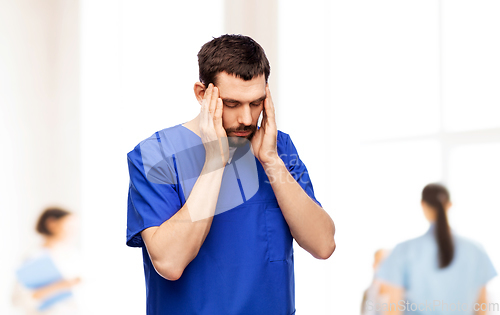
(278, 235)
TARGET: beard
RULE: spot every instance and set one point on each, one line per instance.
(239, 141)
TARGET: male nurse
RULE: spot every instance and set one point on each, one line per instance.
(216, 202)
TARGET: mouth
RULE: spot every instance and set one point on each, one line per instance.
(242, 133)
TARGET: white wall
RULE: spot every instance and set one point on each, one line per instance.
(381, 98)
(369, 91)
(139, 66)
(259, 20)
(39, 126)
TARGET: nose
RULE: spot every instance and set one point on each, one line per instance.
(245, 115)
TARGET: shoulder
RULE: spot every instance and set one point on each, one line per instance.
(474, 257)
(152, 143)
(469, 245)
(33, 253)
(411, 246)
(283, 141)
(282, 135)
(286, 149)
(405, 246)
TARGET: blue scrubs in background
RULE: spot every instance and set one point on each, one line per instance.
(245, 265)
(414, 265)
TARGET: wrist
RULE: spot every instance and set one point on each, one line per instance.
(272, 162)
(214, 164)
(216, 153)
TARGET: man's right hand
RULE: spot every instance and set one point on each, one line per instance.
(212, 132)
(174, 244)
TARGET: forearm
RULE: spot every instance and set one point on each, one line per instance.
(482, 301)
(309, 224)
(51, 289)
(395, 295)
(174, 244)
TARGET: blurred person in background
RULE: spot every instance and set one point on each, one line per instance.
(375, 292)
(439, 272)
(49, 275)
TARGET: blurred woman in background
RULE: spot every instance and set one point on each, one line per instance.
(48, 276)
(438, 272)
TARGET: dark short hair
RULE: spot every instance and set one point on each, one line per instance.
(238, 55)
(48, 214)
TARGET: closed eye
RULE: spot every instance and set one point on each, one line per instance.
(231, 104)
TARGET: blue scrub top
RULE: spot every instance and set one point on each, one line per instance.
(414, 265)
(245, 265)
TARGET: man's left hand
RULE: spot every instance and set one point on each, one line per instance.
(264, 140)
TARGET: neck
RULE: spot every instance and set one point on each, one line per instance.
(194, 125)
(51, 242)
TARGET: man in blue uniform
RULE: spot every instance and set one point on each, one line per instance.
(216, 202)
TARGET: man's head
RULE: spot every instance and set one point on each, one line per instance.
(238, 66)
(238, 55)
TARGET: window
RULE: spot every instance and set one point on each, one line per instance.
(381, 98)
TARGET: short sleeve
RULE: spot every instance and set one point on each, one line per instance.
(295, 165)
(486, 270)
(152, 195)
(394, 268)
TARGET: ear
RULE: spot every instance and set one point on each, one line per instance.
(199, 91)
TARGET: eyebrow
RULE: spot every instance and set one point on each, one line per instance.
(230, 100)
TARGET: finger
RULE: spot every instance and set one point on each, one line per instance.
(206, 98)
(218, 113)
(213, 101)
(269, 108)
(208, 94)
(208, 91)
(256, 141)
(263, 124)
(270, 103)
(267, 114)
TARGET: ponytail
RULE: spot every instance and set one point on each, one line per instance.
(436, 196)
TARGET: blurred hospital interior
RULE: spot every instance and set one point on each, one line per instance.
(380, 97)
